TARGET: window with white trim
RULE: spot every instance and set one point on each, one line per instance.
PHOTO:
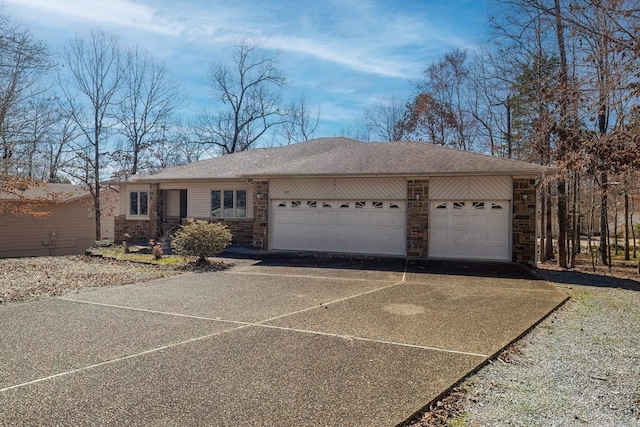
(138, 203)
(228, 203)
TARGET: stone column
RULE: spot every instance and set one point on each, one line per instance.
(524, 221)
(261, 215)
(417, 218)
(155, 210)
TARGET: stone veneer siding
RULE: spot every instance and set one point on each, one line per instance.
(155, 209)
(249, 233)
(417, 218)
(139, 230)
(169, 224)
(261, 215)
(241, 229)
(524, 221)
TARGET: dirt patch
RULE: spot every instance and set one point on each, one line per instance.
(23, 279)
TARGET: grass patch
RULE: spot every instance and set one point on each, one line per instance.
(460, 421)
(117, 252)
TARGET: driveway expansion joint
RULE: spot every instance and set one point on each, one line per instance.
(305, 276)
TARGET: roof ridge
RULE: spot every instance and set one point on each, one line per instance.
(458, 150)
(297, 159)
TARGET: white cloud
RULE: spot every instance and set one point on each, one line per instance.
(121, 13)
(358, 35)
(340, 53)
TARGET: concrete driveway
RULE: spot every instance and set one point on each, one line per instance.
(293, 341)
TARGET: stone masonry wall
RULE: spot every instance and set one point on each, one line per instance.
(138, 230)
(260, 215)
(241, 229)
(170, 223)
(155, 208)
(524, 221)
(417, 218)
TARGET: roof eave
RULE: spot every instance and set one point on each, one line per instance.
(397, 174)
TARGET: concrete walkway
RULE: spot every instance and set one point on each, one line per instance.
(275, 342)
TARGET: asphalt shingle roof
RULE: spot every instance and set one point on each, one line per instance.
(343, 156)
(57, 192)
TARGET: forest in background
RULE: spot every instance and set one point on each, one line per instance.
(556, 83)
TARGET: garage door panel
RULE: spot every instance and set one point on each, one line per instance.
(352, 226)
(469, 229)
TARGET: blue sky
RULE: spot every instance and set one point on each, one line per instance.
(341, 54)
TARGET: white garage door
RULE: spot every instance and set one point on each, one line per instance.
(350, 226)
(469, 229)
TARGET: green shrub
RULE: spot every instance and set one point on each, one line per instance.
(201, 239)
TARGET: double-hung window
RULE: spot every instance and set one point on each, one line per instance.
(229, 203)
(139, 203)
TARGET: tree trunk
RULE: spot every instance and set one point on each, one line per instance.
(563, 78)
(549, 243)
(604, 226)
(574, 220)
(96, 179)
(543, 230)
(626, 225)
(562, 223)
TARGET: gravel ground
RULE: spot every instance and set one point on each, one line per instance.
(23, 279)
(579, 367)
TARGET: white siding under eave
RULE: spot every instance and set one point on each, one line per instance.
(468, 188)
(199, 196)
(339, 188)
(124, 196)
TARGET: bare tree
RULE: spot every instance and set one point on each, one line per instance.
(94, 77)
(23, 62)
(58, 150)
(149, 100)
(42, 117)
(446, 84)
(384, 119)
(247, 93)
(300, 125)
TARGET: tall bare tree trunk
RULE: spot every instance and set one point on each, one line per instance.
(548, 250)
(543, 205)
(564, 95)
(574, 220)
(626, 224)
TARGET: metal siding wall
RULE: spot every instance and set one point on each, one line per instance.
(339, 188)
(467, 188)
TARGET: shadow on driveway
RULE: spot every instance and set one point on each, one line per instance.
(504, 270)
(568, 277)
